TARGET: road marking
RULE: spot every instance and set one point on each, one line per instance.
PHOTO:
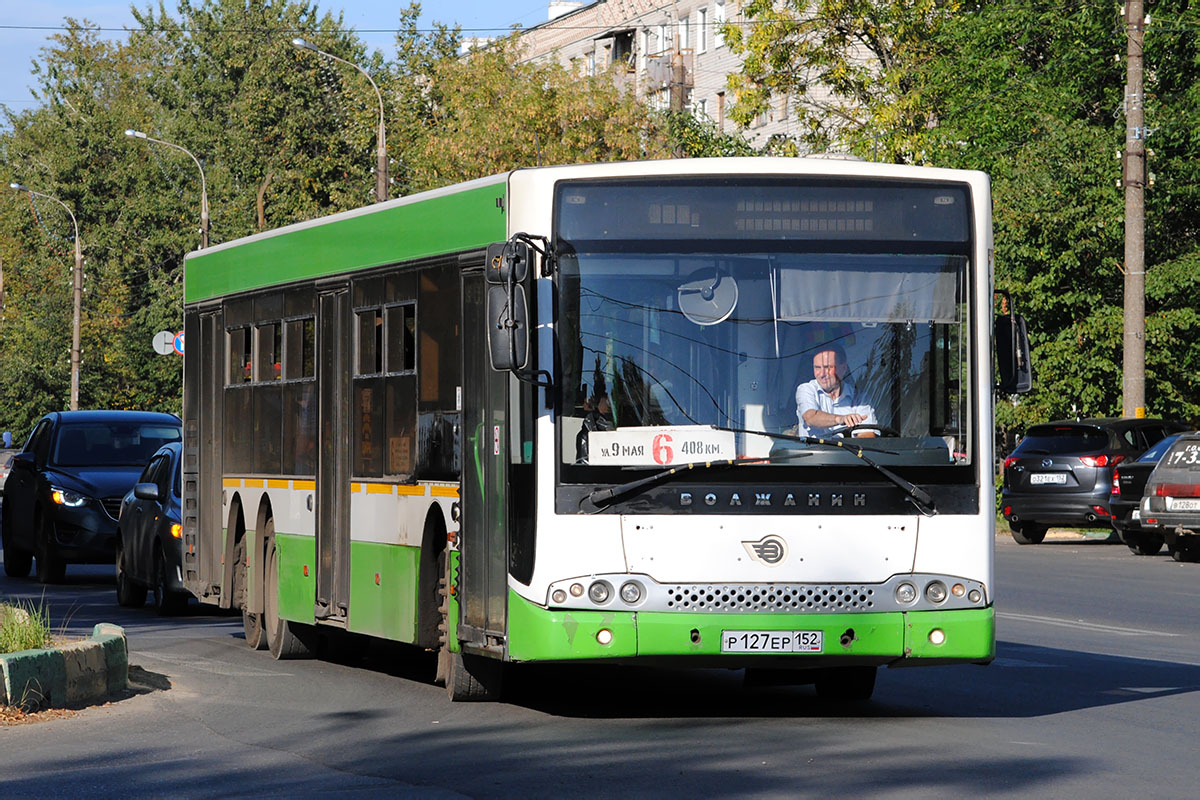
(213, 666)
(1090, 626)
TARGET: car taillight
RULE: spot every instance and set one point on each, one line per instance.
(1116, 486)
(1102, 460)
(1177, 490)
(1008, 462)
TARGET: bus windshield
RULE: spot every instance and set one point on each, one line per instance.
(685, 350)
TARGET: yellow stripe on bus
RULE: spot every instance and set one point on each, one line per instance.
(309, 485)
(355, 488)
(379, 488)
(411, 491)
(272, 483)
(254, 483)
(231, 483)
(444, 491)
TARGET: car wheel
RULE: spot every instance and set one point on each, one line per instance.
(1028, 534)
(129, 593)
(166, 602)
(50, 566)
(1184, 550)
(1143, 544)
(847, 683)
(17, 562)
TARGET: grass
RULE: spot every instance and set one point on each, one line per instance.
(23, 627)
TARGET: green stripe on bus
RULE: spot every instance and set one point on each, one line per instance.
(383, 590)
(466, 220)
(295, 558)
(538, 634)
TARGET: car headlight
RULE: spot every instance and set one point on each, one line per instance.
(65, 497)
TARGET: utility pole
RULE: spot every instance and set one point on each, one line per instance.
(1134, 181)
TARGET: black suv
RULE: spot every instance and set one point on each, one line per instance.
(1061, 472)
(64, 493)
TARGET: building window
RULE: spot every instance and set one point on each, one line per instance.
(662, 38)
(718, 21)
(685, 34)
(591, 64)
(702, 108)
(721, 111)
(702, 30)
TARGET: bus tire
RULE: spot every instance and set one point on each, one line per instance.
(847, 683)
(252, 621)
(474, 678)
(285, 639)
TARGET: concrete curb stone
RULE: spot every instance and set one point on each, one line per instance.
(73, 674)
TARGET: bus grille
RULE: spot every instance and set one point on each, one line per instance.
(770, 597)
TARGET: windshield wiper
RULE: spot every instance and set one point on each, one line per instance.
(916, 495)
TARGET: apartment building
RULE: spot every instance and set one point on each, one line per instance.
(668, 52)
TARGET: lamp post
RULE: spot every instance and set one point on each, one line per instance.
(78, 291)
(132, 134)
(381, 161)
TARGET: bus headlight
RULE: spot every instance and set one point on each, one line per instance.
(600, 592)
(631, 592)
(906, 593)
(559, 596)
(935, 592)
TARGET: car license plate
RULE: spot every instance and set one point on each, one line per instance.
(772, 641)
(1137, 515)
(1038, 478)
(1181, 504)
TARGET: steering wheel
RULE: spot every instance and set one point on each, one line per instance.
(849, 430)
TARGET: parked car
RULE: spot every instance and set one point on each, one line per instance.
(150, 537)
(1061, 472)
(1171, 504)
(64, 493)
(1125, 499)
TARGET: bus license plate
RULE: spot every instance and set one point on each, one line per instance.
(772, 641)
(1047, 477)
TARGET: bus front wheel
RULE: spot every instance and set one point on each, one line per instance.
(471, 677)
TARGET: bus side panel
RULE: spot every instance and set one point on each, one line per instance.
(296, 558)
(204, 521)
(383, 590)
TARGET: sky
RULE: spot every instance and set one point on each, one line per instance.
(26, 24)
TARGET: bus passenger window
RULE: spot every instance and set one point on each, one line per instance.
(300, 344)
(268, 352)
(370, 342)
(239, 356)
(401, 350)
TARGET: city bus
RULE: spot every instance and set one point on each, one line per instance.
(551, 416)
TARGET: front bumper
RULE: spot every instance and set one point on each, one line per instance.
(84, 535)
(894, 638)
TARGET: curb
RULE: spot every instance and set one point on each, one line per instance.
(73, 674)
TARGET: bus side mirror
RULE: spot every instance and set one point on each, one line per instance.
(508, 327)
(507, 261)
(1014, 374)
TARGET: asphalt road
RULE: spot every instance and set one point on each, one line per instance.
(1093, 694)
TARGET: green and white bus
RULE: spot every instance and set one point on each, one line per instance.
(551, 416)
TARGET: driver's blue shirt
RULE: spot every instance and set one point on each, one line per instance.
(811, 396)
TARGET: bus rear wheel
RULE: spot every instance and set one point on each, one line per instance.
(284, 639)
(847, 683)
(252, 621)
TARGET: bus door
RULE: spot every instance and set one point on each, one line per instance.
(333, 453)
(483, 579)
(204, 412)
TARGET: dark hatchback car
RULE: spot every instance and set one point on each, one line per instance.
(1171, 504)
(150, 537)
(64, 493)
(1061, 472)
(1125, 499)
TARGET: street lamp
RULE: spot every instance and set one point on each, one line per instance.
(381, 161)
(132, 134)
(78, 281)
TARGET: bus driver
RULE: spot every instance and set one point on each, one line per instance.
(830, 400)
